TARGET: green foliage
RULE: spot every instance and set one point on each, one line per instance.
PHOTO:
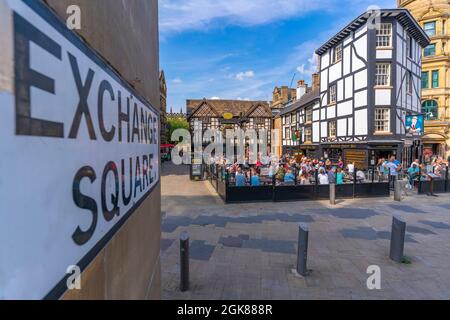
(175, 124)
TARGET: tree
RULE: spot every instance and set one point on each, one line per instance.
(177, 123)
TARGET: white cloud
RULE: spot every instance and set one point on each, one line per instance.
(180, 15)
(247, 74)
(215, 98)
(177, 80)
(309, 67)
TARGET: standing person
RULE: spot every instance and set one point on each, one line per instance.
(323, 177)
(332, 175)
(393, 170)
(340, 163)
(351, 168)
(339, 176)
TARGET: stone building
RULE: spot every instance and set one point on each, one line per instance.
(434, 18)
(282, 96)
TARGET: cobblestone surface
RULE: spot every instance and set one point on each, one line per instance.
(248, 251)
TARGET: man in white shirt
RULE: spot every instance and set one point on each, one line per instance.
(351, 167)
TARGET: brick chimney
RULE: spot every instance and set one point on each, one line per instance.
(301, 89)
(316, 81)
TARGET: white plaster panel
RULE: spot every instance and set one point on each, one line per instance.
(324, 129)
(324, 80)
(335, 72)
(342, 127)
(349, 87)
(383, 97)
(361, 99)
(361, 122)
(340, 90)
(331, 112)
(361, 79)
(345, 108)
(316, 132)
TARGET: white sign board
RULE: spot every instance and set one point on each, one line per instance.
(79, 152)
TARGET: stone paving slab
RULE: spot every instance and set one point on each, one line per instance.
(248, 251)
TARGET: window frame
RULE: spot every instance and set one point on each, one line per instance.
(335, 58)
(387, 76)
(431, 45)
(427, 73)
(433, 73)
(426, 30)
(425, 108)
(332, 88)
(382, 35)
(386, 121)
(308, 133)
(332, 125)
(409, 86)
(308, 114)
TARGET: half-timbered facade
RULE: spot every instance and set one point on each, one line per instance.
(230, 114)
(296, 125)
(370, 81)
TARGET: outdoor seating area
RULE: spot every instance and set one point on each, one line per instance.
(267, 187)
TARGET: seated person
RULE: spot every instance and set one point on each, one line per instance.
(304, 179)
(323, 177)
(255, 181)
(289, 177)
(240, 178)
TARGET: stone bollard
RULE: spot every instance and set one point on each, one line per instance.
(302, 254)
(332, 194)
(184, 261)
(398, 239)
(397, 190)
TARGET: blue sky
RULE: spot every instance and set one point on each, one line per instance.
(242, 49)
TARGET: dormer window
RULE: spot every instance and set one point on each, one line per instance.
(337, 53)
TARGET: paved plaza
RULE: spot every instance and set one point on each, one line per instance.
(248, 251)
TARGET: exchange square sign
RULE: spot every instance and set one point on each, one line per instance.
(79, 151)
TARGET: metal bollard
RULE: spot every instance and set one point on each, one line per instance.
(302, 254)
(184, 261)
(397, 239)
(332, 194)
(397, 190)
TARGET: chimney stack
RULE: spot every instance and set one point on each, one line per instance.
(301, 89)
(316, 81)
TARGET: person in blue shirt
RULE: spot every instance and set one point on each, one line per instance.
(255, 181)
(289, 176)
(413, 173)
(240, 178)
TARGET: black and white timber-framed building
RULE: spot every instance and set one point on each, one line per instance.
(370, 80)
(223, 115)
(296, 125)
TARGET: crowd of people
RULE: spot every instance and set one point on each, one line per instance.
(289, 170)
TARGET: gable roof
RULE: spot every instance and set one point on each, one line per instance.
(238, 108)
(306, 99)
(403, 16)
